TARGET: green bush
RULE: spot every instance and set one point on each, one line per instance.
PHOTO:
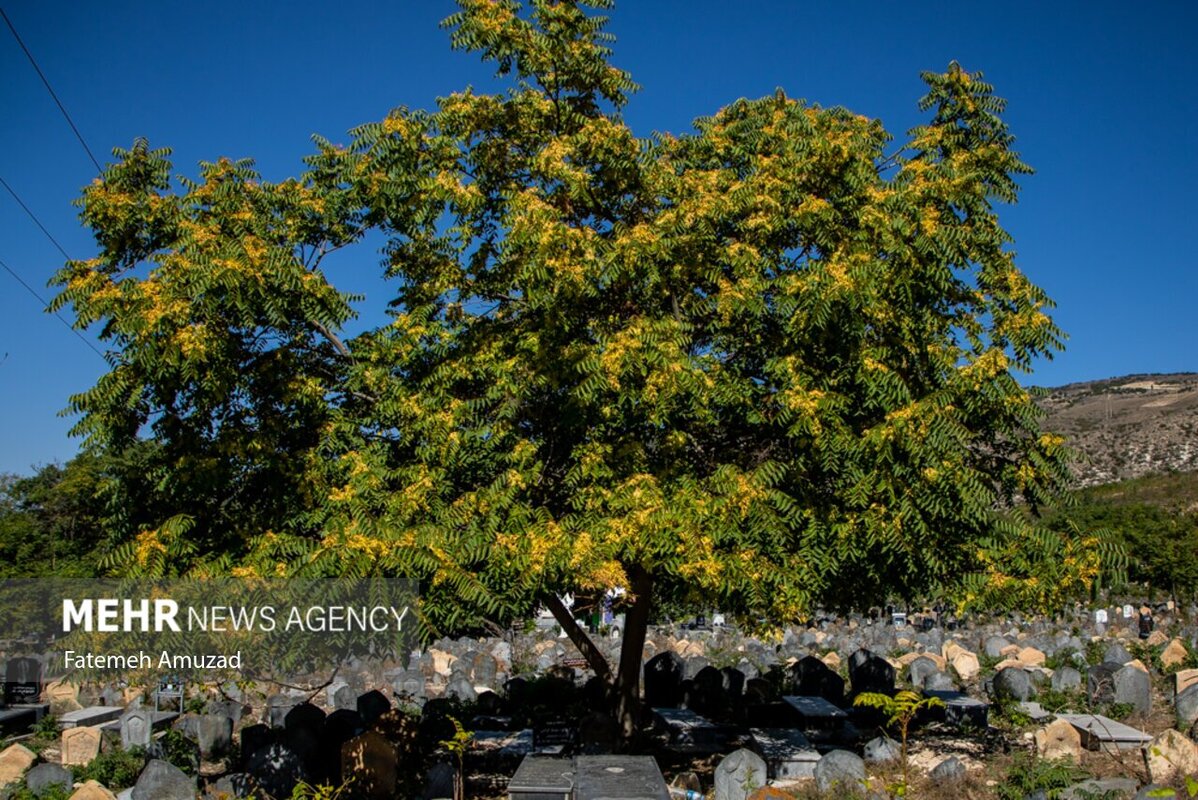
(117, 769)
(1029, 774)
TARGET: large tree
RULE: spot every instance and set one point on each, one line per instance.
(769, 362)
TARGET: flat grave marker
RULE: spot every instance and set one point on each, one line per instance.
(618, 778)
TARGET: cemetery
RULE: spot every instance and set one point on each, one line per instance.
(1068, 706)
(700, 429)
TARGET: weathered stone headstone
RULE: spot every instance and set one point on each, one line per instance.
(1066, 679)
(63, 697)
(214, 735)
(1134, 688)
(43, 777)
(370, 764)
(618, 778)
(161, 780)
(460, 688)
(883, 750)
(137, 727)
(840, 769)
(1012, 683)
(80, 746)
(1059, 740)
(92, 791)
(277, 708)
(738, 775)
(14, 760)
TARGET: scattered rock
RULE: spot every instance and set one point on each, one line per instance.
(949, 770)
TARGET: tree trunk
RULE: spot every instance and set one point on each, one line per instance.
(628, 677)
(625, 685)
(578, 637)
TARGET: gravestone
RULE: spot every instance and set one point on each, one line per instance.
(92, 791)
(440, 782)
(277, 769)
(663, 680)
(373, 705)
(137, 727)
(43, 777)
(1100, 732)
(542, 778)
(236, 784)
(1133, 687)
(1100, 683)
(409, 684)
(344, 697)
(214, 735)
(161, 780)
(14, 760)
(733, 681)
(840, 770)
(169, 694)
(277, 707)
(22, 681)
(371, 764)
(80, 746)
(738, 775)
(870, 673)
(787, 753)
(811, 677)
(920, 669)
(618, 778)
(1012, 683)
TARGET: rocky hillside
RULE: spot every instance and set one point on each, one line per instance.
(1128, 427)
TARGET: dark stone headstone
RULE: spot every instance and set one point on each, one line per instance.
(373, 705)
(22, 681)
(440, 781)
(372, 763)
(733, 681)
(277, 769)
(1100, 682)
(870, 673)
(663, 680)
(598, 733)
(811, 677)
(255, 738)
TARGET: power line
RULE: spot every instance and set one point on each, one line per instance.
(33, 217)
(45, 304)
(50, 89)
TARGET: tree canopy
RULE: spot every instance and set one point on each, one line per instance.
(770, 362)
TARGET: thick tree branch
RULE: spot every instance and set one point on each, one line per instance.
(578, 636)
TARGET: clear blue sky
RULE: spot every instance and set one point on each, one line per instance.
(1102, 102)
